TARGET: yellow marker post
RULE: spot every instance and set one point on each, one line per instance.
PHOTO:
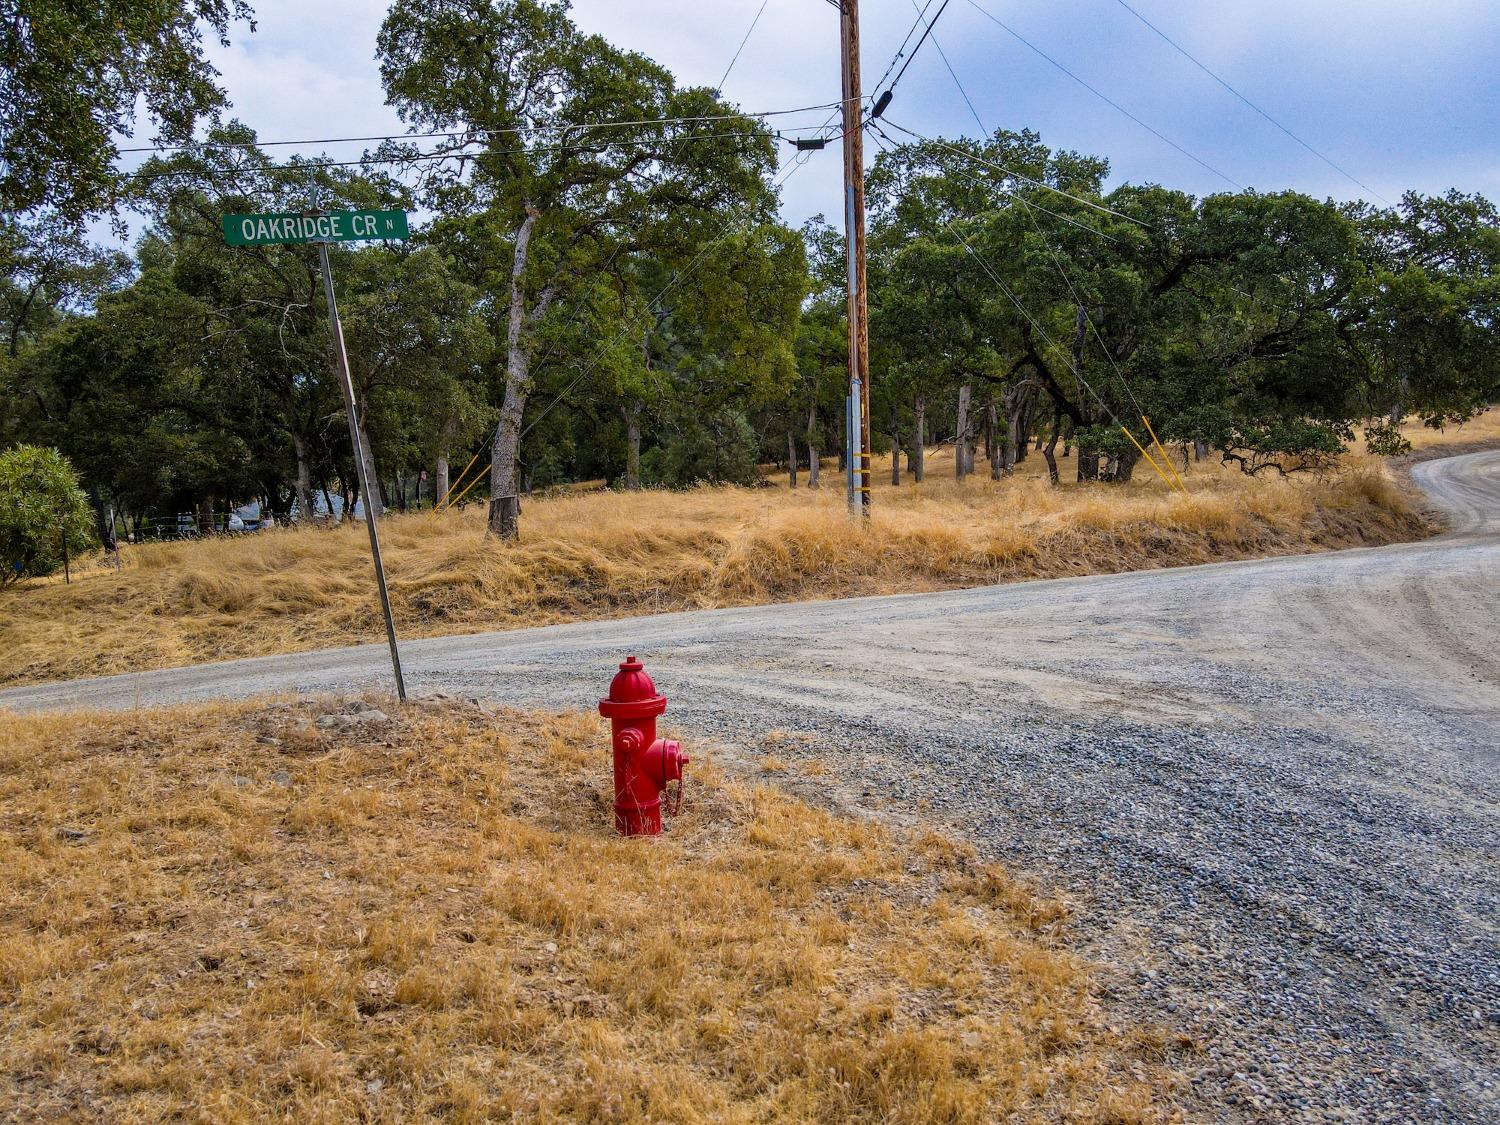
(1149, 459)
(1165, 456)
(471, 486)
(457, 482)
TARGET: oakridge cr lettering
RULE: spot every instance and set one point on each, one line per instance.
(336, 226)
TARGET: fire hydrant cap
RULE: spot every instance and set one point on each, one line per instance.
(631, 693)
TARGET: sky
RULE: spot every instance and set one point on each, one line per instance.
(1399, 95)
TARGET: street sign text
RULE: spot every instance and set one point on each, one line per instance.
(333, 226)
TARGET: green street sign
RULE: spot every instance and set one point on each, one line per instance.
(284, 228)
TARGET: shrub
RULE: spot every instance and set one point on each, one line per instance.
(715, 447)
(42, 509)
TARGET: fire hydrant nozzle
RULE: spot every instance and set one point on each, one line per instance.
(644, 764)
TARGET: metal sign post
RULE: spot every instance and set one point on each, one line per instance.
(323, 228)
(346, 382)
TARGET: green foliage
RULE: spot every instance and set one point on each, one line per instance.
(615, 301)
(42, 513)
(1265, 324)
(47, 270)
(1386, 440)
(1284, 444)
(714, 448)
(71, 77)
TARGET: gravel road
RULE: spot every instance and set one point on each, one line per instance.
(1270, 787)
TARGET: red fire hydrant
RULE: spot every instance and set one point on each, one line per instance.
(644, 764)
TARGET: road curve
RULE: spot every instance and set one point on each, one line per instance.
(1271, 785)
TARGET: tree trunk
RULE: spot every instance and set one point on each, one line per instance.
(372, 501)
(206, 516)
(305, 508)
(442, 470)
(918, 462)
(1124, 466)
(961, 436)
(103, 525)
(895, 449)
(505, 507)
(1013, 437)
(992, 440)
(791, 458)
(1088, 463)
(631, 412)
(1088, 459)
(813, 453)
(507, 447)
(1398, 410)
(1050, 451)
(1018, 400)
(1200, 450)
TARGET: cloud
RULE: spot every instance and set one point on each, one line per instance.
(1401, 94)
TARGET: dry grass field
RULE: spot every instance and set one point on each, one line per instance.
(603, 554)
(229, 914)
(1482, 431)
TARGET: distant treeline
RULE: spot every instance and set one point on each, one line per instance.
(590, 299)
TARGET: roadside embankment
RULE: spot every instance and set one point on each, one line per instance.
(611, 554)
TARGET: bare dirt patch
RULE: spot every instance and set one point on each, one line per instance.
(241, 913)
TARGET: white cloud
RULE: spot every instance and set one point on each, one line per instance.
(1400, 93)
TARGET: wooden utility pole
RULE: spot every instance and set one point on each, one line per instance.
(857, 443)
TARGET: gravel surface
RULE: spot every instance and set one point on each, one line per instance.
(1270, 787)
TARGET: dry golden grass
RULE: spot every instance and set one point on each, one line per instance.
(604, 554)
(227, 914)
(1484, 429)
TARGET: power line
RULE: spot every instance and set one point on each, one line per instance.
(655, 302)
(1052, 253)
(1073, 292)
(1037, 207)
(901, 50)
(743, 41)
(1083, 308)
(460, 153)
(1010, 193)
(1025, 312)
(1051, 343)
(1020, 176)
(942, 54)
(1185, 53)
(1057, 261)
(928, 31)
(1103, 96)
(555, 128)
